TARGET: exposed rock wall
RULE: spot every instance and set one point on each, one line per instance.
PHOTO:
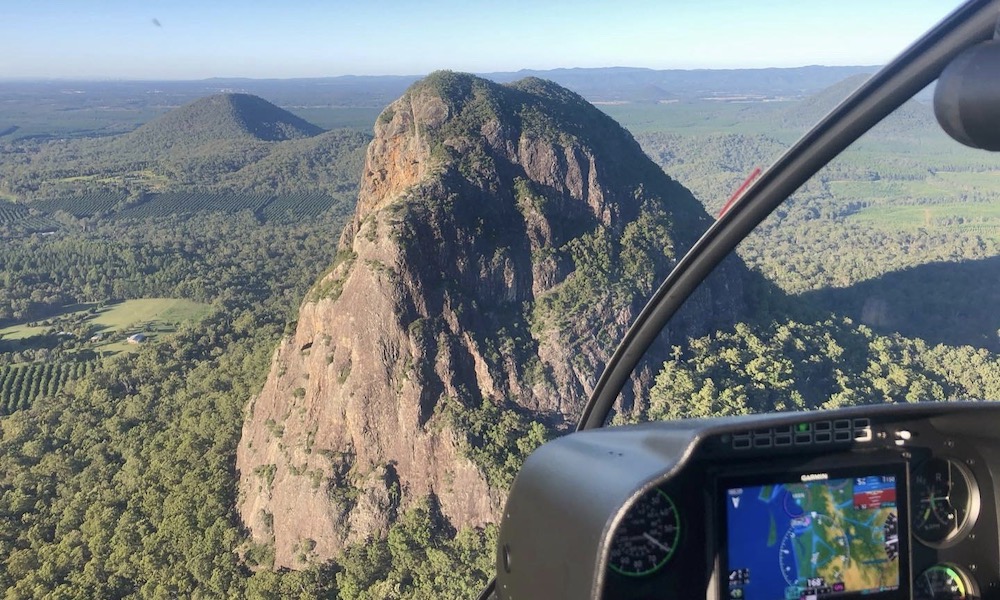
(504, 238)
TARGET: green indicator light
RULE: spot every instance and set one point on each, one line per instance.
(802, 427)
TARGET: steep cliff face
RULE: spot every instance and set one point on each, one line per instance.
(504, 238)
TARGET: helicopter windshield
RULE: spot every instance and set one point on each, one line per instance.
(872, 283)
(284, 307)
(866, 285)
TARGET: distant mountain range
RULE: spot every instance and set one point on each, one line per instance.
(638, 85)
(596, 85)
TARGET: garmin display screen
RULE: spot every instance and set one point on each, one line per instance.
(806, 536)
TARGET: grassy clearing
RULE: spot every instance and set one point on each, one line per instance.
(157, 311)
(23, 330)
(20, 332)
(153, 316)
(152, 181)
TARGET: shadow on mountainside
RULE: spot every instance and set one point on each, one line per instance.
(947, 302)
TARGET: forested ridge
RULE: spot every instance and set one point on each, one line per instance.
(228, 143)
(117, 474)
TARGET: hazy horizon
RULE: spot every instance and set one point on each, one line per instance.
(186, 40)
(29, 79)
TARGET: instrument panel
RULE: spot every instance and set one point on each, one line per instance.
(895, 503)
(821, 519)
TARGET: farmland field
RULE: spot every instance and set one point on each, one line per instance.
(80, 206)
(79, 334)
(971, 217)
(941, 187)
(162, 314)
(160, 311)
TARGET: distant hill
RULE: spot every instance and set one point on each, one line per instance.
(224, 142)
(813, 108)
(229, 117)
(330, 161)
(913, 116)
(207, 139)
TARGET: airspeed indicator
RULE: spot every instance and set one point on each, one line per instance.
(647, 537)
(944, 582)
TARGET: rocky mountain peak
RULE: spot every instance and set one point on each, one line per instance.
(504, 238)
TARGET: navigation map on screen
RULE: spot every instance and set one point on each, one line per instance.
(815, 538)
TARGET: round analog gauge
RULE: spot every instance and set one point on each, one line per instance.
(647, 537)
(944, 582)
(945, 502)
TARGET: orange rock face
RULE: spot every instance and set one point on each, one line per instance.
(455, 287)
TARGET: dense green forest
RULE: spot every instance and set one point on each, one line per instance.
(117, 463)
(788, 365)
(119, 481)
(884, 234)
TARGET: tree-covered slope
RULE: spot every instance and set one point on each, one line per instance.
(224, 117)
(221, 143)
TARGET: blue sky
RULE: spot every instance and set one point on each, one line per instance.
(298, 38)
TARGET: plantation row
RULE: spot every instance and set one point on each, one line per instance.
(10, 213)
(81, 206)
(982, 230)
(296, 206)
(21, 385)
(163, 205)
(19, 218)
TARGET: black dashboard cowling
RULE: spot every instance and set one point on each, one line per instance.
(573, 493)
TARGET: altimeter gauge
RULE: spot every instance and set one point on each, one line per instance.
(945, 502)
